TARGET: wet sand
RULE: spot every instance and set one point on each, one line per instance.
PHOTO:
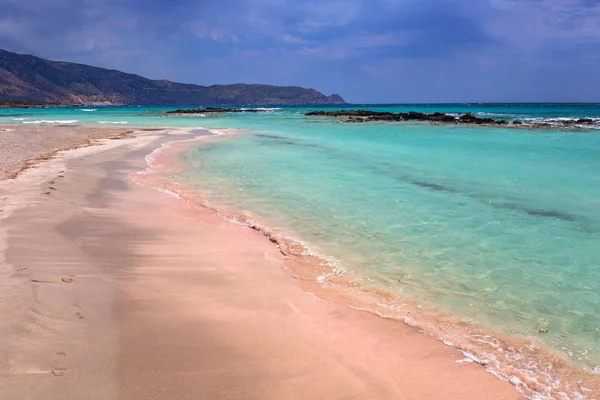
(113, 290)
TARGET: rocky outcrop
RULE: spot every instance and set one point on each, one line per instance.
(370, 116)
(26, 77)
(214, 110)
(360, 116)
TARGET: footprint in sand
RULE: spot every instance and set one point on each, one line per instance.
(79, 315)
(68, 279)
(51, 183)
(20, 272)
(59, 364)
(41, 281)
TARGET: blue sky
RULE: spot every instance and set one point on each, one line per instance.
(365, 50)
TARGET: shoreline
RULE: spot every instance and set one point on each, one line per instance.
(102, 324)
(524, 361)
(25, 146)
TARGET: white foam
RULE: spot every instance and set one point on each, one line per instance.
(48, 121)
(169, 192)
(262, 108)
(474, 358)
(315, 297)
(113, 122)
(88, 109)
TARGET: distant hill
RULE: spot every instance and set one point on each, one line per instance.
(33, 79)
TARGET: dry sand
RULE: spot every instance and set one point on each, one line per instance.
(24, 145)
(113, 290)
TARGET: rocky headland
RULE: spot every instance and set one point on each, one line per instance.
(25, 104)
(25, 77)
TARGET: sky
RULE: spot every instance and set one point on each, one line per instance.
(368, 51)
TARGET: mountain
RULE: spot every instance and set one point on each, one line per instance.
(29, 78)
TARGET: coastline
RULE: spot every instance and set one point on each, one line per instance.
(526, 362)
(123, 297)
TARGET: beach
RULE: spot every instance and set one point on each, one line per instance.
(21, 146)
(112, 289)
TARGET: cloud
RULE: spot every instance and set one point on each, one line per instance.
(319, 15)
(368, 50)
(287, 38)
(542, 21)
(202, 31)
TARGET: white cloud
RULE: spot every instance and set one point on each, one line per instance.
(327, 14)
(535, 23)
(287, 38)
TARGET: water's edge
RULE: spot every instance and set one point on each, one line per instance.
(530, 365)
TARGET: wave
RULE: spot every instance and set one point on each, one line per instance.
(187, 115)
(53, 121)
(113, 122)
(493, 114)
(88, 109)
(261, 108)
(581, 121)
(560, 119)
(526, 362)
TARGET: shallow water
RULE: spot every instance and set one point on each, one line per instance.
(497, 225)
(500, 226)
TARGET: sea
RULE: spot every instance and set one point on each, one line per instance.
(493, 231)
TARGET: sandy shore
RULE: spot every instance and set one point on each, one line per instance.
(22, 146)
(113, 290)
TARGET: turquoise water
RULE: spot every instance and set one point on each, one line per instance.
(498, 225)
(154, 116)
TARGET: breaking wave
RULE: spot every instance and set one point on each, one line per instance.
(49, 121)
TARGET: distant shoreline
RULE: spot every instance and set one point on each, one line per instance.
(40, 104)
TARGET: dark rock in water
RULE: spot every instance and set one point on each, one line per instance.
(358, 116)
(189, 111)
(209, 110)
(348, 113)
(469, 118)
(585, 121)
(356, 119)
(371, 116)
(440, 117)
(414, 116)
